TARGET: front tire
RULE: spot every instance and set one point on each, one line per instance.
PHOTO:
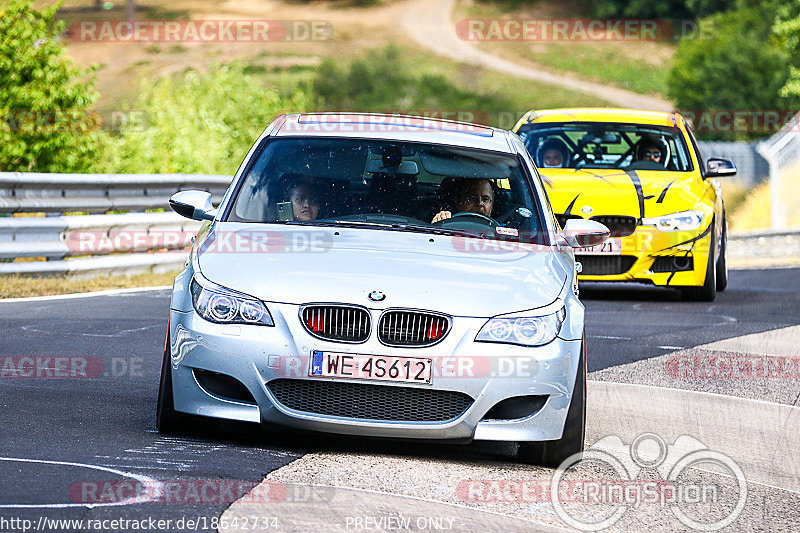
(708, 290)
(552, 453)
(168, 420)
(722, 262)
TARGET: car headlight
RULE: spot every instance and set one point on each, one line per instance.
(227, 307)
(526, 330)
(683, 221)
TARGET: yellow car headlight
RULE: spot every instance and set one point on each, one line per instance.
(683, 221)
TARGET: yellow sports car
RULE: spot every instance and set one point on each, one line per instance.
(641, 174)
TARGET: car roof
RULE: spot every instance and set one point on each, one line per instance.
(392, 127)
(601, 114)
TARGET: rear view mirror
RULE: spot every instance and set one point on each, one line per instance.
(193, 204)
(581, 233)
(716, 167)
(404, 167)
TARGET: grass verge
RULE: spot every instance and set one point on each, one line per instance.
(640, 66)
(18, 286)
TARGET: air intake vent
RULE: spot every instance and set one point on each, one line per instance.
(620, 226)
(672, 264)
(337, 322)
(369, 402)
(412, 328)
(605, 265)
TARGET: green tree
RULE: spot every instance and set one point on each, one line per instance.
(732, 63)
(787, 29)
(669, 9)
(44, 99)
(199, 122)
(385, 81)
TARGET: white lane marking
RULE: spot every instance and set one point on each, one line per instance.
(749, 481)
(107, 292)
(166, 468)
(611, 337)
(120, 333)
(152, 487)
(690, 391)
(667, 347)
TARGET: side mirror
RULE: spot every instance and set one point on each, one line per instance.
(193, 204)
(717, 167)
(581, 233)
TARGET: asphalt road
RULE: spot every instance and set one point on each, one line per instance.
(106, 420)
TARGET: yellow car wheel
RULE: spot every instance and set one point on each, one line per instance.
(708, 290)
(722, 262)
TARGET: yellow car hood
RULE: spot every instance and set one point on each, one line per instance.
(636, 193)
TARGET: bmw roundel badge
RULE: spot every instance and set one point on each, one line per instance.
(377, 296)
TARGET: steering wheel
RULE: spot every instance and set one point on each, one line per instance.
(481, 218)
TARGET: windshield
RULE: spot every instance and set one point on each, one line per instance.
(603, 145)
(392, 185)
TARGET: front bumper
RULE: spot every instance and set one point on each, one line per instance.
(649, 250)
(486, 372)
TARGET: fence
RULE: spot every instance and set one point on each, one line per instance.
(751, 167)
(782, 152)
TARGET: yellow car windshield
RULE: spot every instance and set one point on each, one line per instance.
(602, 145)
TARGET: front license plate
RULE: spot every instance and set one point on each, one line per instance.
(372, 367)
(609, 247)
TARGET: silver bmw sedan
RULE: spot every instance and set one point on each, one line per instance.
(387, 276)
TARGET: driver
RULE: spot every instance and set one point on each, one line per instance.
(653, 149)
(470, 196)
(304, 199)
(552, 153)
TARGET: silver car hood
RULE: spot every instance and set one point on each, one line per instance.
(454, 275)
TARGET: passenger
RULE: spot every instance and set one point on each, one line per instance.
(553, 153)
(467, 196)
(304, 199)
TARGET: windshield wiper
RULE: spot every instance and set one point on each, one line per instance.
(363, 223)
(438, 231)
(397, 226)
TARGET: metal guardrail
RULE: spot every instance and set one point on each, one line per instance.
(23, 192)
(96, 243)
(126, 243)
(765, 244)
